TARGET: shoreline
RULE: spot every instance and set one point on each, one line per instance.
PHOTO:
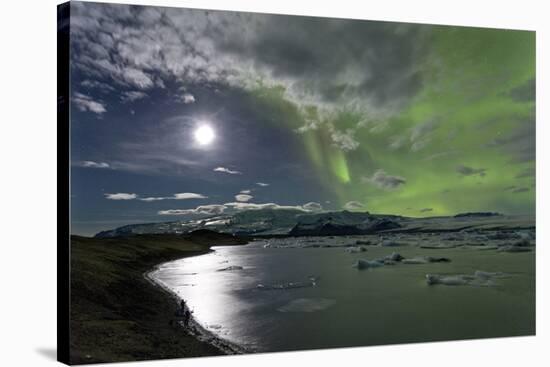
(195, 328)
(118, 314)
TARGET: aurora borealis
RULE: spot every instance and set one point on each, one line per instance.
(317, 113)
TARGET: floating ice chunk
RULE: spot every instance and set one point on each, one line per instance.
(230, 268)
(441, 246)
(425, 260)
(363, 242)
(479, 279)
(355, 249)
(487, 274)
(514, 248)
(362, 264)
(482, 248)
(432, 279)
(312, 282)
(415, 260)
(438, 259)
(452, 237)
(500, 236)
(394, 257)
(307, 305)
(529, 235)
(390, 243)
(524, 242)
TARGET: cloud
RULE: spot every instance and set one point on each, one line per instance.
(254, 206)
(421, 135)
(149, 199)
(520, 144)
(345, 140)
(435, 156)
(189, 195)
(86, 104)
(313, 207)
(227, 170)
(396, 142)
(469, 171)
(137, 77)
(384, 181)
(131, 96)
(262, 184)
(520, 189)
(425, 210)
(121, 196)
(528, 172)
(140, 48)
(354, 205)
(525, 93)
(92, 164)
(213, 209)
(243, 197)
(416, 138)
(178, 196)
(228, 208)
(94, 84)
(188, 98)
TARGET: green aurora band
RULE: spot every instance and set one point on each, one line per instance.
(475, 108)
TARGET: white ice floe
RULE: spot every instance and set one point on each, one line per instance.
(416, 260)
(487, 274)
(478, 279)
(362, 264)
(394, 257)
(432, 279)
(307, 305)
(425, 260)
(355, 249)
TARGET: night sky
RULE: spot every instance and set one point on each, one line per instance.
(178, 114)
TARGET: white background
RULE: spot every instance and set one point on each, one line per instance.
(28, 183)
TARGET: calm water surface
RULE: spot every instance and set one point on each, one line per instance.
(332, 304)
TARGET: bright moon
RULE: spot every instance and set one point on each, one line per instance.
(204, 135)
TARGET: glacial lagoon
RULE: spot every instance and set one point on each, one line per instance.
(308, 292)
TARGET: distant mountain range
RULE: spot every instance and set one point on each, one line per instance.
(293, 222)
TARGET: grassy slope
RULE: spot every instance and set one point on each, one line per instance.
(116, 314)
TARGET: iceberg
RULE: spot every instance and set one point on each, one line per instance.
(394, 257)
(426, 260)
(355, 249)
(478, 279)
(362, 264)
